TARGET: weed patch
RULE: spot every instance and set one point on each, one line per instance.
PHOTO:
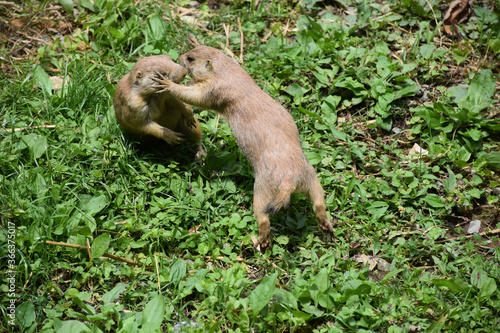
(400, 120)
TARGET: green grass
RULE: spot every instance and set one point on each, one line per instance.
(351, 78)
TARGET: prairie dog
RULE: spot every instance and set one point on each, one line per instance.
(143, 112)
(263, 129)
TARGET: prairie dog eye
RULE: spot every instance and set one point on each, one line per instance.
(190, 59)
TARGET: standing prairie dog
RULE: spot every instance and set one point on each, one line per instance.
(144, 112)
(263, 129)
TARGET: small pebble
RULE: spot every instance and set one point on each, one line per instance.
(179, 327)
(383, 265)
(474, 227)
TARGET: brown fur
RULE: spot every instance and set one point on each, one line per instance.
(144, 112)
(263, 129)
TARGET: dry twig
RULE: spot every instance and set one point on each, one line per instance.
(241, 40)
(106, 254)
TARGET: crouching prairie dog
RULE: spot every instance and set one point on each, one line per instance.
(143, 112)
(263, 129)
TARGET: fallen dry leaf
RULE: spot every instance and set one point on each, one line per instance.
(458, 12)
(18, 23)
(195, 229)
(58, 82)
(418, 152)
(367, 260)
(82, 47)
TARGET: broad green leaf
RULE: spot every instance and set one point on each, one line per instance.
(40, 185)
(116, 33)
(329, 106)
(322, 280)
(67, 5)
(309, 113)
(436, 326)
(87, 4)
(37, 144)
(25, 314)
(109, 20)
(458, 93)
(86, 307)
(177, 186)
(451, 182)
(475, 193)
(129, 325)
(43, 79)
(177, 270)
(338, 134)
(313, 310)
(96, 204)
(314, 158)
(156, 27)
(390, 275)
(272, 47)
(100, 245)
(153, 314)
(455, 285)
(408, 90)
(482, 87)
(487, 288)
(418, 8)
(262, 294)
(304, 316)
(73, 326)
(114, 293)
(294, 89)
(286, 298)
(354, 287)
(463, 154)
(434, 200)
(349, 83)
(491, 159)
(326, 301)
(474, 134)
(426, 50)
(378, 208)
(203, 248)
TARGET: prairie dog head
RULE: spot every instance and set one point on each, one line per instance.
(142, 74)
(198, 63)
(204, 62)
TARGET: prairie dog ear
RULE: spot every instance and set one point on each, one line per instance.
(208, 65)
(138, 75)
(192, 41)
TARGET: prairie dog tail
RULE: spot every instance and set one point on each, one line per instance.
(281, 200)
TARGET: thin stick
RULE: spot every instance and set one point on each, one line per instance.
(426, 267)
(227, 31)
(89, 249)
(285, 32)
(81, 247)
(19, 129)
(158, 273)
(40, 111)
(486, 233)
(241, 40)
